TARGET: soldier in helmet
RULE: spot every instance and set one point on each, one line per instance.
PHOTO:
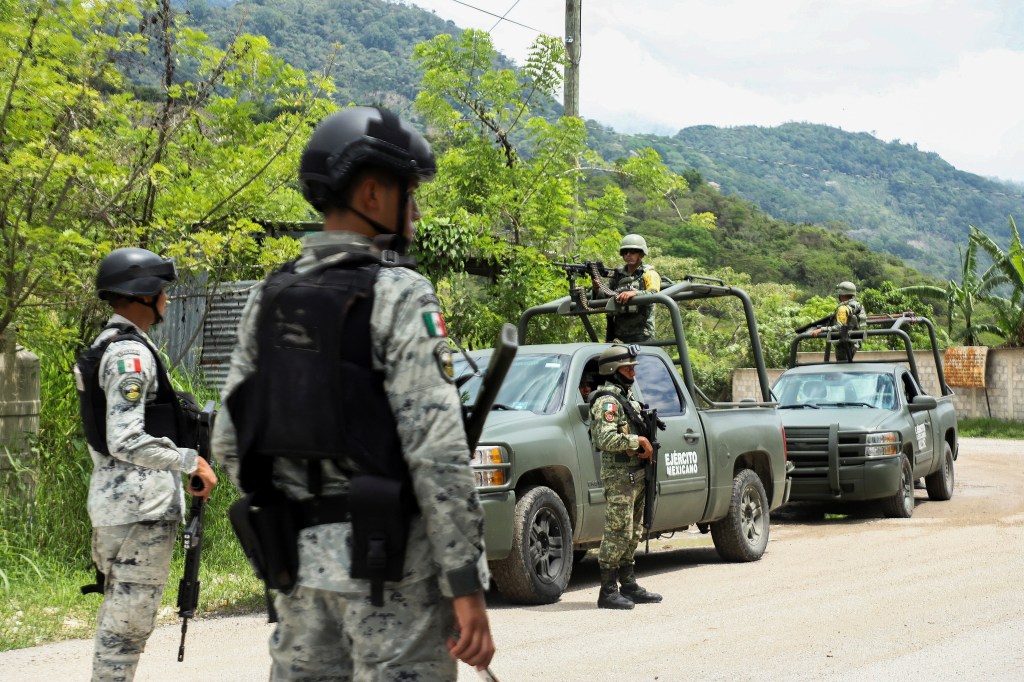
(614, 429)
(634, 277)
(342, 379)
(849, 316)
(136, 497)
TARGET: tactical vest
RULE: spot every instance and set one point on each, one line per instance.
(315, 395)
(172, 415)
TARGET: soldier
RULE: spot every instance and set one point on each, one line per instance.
(849, 316)
(614, 428)
(633, 278)
(342, 359)
(134, 425)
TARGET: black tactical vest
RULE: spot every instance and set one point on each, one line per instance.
(315, 395)
(172, 415)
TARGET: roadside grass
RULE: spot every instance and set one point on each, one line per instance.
(983, 427)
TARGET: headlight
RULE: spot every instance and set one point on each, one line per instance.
(490, 466)
(882, 444)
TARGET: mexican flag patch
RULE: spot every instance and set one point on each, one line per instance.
(435, 324)
(129, 365)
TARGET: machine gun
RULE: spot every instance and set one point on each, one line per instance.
(816, 323)
(192, 536)
(652, 425)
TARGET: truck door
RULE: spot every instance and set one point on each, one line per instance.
(682, 459)
(924, 437)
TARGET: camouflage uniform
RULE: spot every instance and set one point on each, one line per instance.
(614, 436)
(136, 501)
(849, 315)
(639, 326)
(328, 629)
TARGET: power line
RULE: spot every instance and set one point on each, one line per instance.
(503, 18)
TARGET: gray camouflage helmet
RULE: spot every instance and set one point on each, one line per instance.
(633, 241)
(134, 272)
(617, 356)
(846, 289)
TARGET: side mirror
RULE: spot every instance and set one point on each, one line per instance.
(922, 402)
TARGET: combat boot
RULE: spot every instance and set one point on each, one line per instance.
(610, 597)
(632, 591)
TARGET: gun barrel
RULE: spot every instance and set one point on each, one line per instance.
(494, 376)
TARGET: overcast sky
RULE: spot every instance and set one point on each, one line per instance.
(945, 74)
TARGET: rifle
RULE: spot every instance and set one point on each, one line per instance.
(192, 536)
(493, 377)
(651, 425)
(811, 325)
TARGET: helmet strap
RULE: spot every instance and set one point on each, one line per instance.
(157, 317)
(399, 242)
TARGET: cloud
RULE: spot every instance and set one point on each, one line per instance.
(939, 73)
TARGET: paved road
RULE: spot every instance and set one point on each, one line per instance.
(934, 597)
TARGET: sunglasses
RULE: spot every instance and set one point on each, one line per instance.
(623, 252)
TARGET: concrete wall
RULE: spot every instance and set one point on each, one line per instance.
(1004, 380)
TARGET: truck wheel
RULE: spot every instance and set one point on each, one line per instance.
(940, 483)
(901, 505)
(537, 569)
(743, 534)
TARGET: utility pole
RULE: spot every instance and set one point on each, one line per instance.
(571, 83)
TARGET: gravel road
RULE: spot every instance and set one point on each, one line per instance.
(934, 597)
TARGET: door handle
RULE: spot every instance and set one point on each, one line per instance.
(691, 436)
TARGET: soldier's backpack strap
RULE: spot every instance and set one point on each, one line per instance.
(631, 413)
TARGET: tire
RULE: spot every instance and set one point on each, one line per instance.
(940, 483)
(743, 534)
(901, 505)
(538, 568)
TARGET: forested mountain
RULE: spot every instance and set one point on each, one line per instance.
(891, 197)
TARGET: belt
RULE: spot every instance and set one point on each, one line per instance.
(317, 511)
(620, 458)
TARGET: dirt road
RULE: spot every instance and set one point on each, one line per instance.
(934, 597)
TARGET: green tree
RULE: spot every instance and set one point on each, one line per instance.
(1006, 271)
(85, 166)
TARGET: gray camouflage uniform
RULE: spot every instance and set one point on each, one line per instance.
(136, 501)
(327, 628)
(635, 327)
(614, 436)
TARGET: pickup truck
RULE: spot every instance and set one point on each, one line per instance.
(721, 466)
(862, 430)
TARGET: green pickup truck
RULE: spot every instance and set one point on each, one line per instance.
(721, 467)
(867, 430)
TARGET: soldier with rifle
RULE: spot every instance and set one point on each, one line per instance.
(849, 316)
(632, 279)
(341, 422)
(142, 437)
(619, 432)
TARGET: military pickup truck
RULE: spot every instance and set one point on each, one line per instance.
(721, 467)
(863, 430)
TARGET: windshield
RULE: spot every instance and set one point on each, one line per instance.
(535, 383)
(836, 389)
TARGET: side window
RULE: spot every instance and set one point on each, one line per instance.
(656, 385)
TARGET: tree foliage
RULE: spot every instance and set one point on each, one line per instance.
(87, 166)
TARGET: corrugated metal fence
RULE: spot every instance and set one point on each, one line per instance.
(200, 330)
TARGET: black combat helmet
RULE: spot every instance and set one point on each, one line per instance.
(354, 138)
(134, 272)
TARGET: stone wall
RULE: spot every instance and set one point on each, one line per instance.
(1004, 381)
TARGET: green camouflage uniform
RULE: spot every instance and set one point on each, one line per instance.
(614, 436)
(634, 327)
(136, 502)
(327, 627)
(849, 315)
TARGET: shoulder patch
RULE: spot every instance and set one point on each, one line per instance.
(435, 324)
(129, 364)
(443, 356)
(609, 410)
(131, 389)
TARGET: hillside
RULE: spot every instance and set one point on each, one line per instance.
(891, 196)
